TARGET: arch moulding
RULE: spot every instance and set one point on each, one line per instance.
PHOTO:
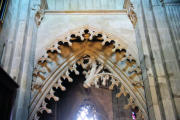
(104, 59)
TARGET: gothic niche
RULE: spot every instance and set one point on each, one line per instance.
(97, 58)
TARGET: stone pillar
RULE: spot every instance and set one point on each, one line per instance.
(171, 18)
(19, 53)
(150, 88)
(8, 33)
(26, 66)
(158, 50)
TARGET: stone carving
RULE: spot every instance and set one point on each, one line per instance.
(51, 95)
(73, 68)
(85, 47)
(39, 16)
(99, 44)
(53, 56)
(95, 75)
(120, 54)
(36, 86)
(39, 73)
(129, 63)
(122, 91)
(130, 11)
(44, 63)
(130, 103)
(44, 108)
(135, 72)
(40, 11)
(114, 83)
(59, 85)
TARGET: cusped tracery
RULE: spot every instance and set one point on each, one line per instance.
(94, 51)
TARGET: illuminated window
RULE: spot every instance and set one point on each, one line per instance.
(87, 112)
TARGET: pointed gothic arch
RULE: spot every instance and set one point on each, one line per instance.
(95, 51)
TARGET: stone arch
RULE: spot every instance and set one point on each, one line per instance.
(95, 51)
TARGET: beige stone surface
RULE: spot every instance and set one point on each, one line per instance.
(55, 25)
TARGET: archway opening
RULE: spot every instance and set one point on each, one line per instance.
(104, 63)
(79, 103)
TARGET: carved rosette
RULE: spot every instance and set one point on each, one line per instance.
(95, 51)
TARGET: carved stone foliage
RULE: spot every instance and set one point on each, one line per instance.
(40, 11)
(95, 51)
(130, 11)
(97, 75)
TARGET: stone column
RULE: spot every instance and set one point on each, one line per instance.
(20, 49)
(24, 77)
(8, 33)
(158, 49)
